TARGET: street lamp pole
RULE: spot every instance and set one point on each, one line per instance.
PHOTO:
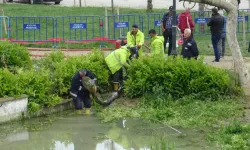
(174, 51)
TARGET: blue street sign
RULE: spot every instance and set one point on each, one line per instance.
(240, 18)
(158, 23)
(31, 26)
(205, 20)
(201, 20)
(121, 24)
(78, 25)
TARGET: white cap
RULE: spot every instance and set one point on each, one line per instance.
(221, 12)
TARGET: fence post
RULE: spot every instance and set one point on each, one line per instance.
(106, 22)
(244, 30)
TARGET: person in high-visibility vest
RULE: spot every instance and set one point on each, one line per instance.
(156, 47)
(117, 62)
(135, 38)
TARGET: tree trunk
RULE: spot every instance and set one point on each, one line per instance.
(149, 6)
(240, 65)
(201, 15)
(231, 7)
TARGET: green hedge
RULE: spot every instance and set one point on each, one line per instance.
(14, 55)
(49, 80)
(177, 77)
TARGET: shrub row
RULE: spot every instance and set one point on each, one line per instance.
(47, 80)
(177, 77)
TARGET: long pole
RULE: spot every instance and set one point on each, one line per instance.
(174, 51)
(112, 5)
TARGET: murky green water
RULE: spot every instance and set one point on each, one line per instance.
(66, 132)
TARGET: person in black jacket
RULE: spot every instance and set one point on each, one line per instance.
(189, 47)
(216, 24)
(79, 93)
(166, 27)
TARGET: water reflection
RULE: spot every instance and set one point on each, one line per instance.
(87, 133)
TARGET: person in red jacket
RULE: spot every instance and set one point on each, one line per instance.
(186, 21)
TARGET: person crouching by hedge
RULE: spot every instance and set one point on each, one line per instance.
(156, 43)
(189, 47)
(79, 93)
(117, 62)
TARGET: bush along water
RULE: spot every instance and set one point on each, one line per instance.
(48, 82)
(14, 55)
(178, 77)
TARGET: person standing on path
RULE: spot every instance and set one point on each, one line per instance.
(166, 27)
(189, 47)
(216, 24)
(222, 42)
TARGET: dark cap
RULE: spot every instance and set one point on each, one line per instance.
(135, 26)
(215, 10)
(170, 8)
(152, 31)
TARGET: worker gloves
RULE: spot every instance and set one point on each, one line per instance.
(138, 46)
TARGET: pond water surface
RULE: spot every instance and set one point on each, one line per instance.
(67, 132)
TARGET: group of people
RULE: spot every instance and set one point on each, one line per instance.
(131, 48)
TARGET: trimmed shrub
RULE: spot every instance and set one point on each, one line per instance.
(177, 77)
(14, 55)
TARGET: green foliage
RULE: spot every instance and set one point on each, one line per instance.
(49, 81)
(233, 137)
(14, 55)
(161, 144)
(63, 71)
(9, 84)
(177, 77)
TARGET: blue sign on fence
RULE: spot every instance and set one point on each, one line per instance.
(201, 20)
(157, 22)
(240, 18)
(31, 26)
(78, 25)
(121, 24)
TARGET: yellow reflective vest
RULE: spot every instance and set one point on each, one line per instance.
(117, 59)
(136, 40)
(157, 45)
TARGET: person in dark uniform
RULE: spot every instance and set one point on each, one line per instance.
(166, 27)
(189, 47)
(79, 93)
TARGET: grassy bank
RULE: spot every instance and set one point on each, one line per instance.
(93, 30)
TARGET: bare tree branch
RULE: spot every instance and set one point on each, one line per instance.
(225, 4)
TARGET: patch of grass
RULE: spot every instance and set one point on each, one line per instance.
(183, 112)
(162, 144)
(232, 137)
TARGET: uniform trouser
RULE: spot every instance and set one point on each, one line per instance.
(221, 45)
(82, 97)
(215, 40)
(168, 38)
(118, 76)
